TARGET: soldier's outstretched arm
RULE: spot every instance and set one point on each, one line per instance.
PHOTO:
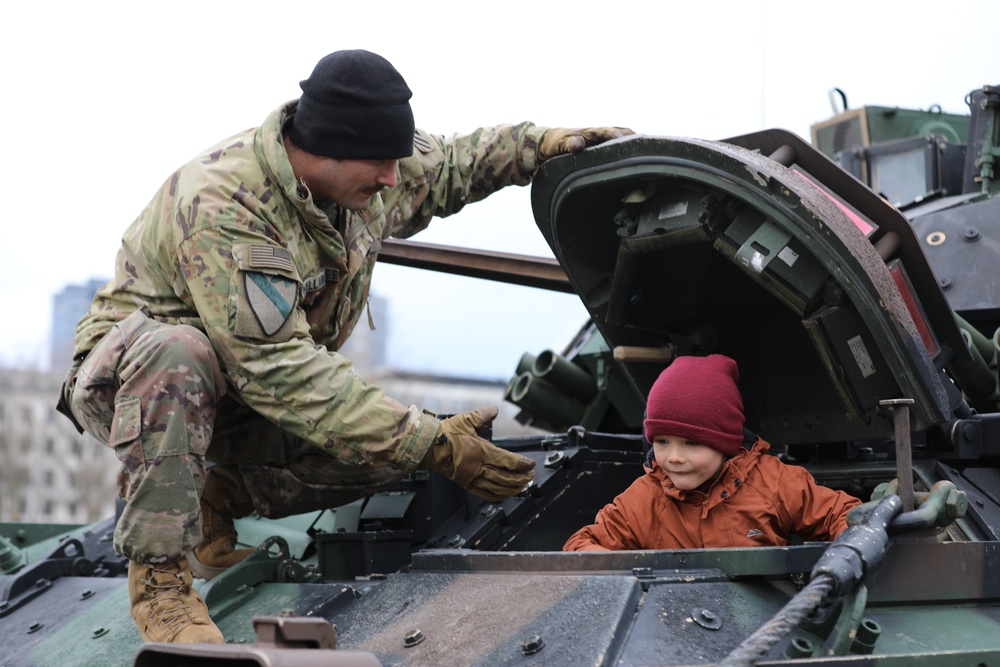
(446, 173)
(461, 454)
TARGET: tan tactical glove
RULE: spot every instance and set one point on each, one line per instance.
(476, 464)
(560, 140)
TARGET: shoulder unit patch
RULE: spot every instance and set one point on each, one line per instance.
(422, 143)
(271, 299)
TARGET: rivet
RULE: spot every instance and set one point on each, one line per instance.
(972, 234)
(532, 644)
(456, 542)
(34, 627)
(242, 589)
(86, 594)
(970, 432)
(554, 459)
(527, 490)
(98, 632)
(488, 511)
(413, 637)
(706, 618)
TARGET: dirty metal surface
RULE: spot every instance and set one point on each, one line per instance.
(483, 619)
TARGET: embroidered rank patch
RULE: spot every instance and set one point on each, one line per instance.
(422, 144)
(271, 299)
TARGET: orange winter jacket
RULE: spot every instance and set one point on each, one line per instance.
(755, 501)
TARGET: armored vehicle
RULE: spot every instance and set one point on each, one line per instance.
(855, 284)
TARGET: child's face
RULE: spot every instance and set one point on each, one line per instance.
(687, 464)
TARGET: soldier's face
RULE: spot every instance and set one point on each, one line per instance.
(350, 183)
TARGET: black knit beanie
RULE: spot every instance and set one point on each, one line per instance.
(355, 106)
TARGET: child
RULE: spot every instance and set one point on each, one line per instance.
(709, 482)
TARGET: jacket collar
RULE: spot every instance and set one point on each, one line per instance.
(273, 158)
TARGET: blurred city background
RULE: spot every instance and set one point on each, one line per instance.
(51, 473)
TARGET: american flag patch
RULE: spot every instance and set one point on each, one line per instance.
(270, 257)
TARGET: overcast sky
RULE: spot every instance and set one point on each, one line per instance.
(103, 100)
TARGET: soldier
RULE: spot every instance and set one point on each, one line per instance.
(217, 338)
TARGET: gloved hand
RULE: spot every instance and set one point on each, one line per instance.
(476, 464)
(560, 140)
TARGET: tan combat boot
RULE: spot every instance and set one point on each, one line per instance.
(224, 498)
(166, 608)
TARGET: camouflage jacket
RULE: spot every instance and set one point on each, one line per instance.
(233, 245)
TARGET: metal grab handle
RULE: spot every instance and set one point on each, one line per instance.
(940, 507)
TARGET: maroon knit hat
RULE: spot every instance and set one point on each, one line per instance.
(697, 398)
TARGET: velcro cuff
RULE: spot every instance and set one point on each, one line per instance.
(413, 450)
(527, 154)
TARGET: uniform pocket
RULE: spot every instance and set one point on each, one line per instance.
(96, 386)
(127, 422)
(126, 427)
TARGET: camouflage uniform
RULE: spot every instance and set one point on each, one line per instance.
(217, 337)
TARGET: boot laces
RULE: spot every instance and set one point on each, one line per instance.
(166, 602)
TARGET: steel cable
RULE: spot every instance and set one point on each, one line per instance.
(794, 612)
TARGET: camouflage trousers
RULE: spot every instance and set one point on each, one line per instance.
(156, 394)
